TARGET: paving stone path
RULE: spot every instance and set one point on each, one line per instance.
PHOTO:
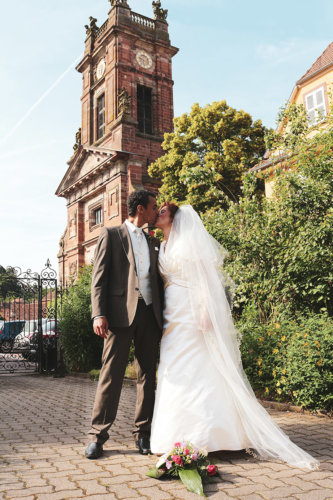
(43, 422)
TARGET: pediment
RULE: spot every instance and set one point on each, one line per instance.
(84, 161)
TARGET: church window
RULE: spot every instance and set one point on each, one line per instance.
(100, 116)
(315, 105)
(145, 109)
(97, 216)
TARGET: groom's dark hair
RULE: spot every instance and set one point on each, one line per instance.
(140, 197)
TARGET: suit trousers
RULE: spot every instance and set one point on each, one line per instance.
(146, 334)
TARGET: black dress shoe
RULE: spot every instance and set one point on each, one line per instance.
(143, 445)
(94, 450)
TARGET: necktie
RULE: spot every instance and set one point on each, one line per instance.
(139, 236)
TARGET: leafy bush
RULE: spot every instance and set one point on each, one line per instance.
(280, 256)
(290, 359)
(82, 348)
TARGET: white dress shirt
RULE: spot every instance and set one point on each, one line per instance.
(142, 260)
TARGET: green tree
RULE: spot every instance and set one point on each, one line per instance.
(9, 284)
(281, 248)
(280, 256)
(207, 155)
(295, 128)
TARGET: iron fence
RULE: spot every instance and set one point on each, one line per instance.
(30, 304)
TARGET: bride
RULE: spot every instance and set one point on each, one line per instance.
(203, 395)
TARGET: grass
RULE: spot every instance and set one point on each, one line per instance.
(129, 373)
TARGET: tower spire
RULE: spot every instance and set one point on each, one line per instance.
(127, 107)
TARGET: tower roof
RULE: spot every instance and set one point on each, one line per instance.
(325, 59)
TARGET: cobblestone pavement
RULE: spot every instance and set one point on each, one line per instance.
(42, 440)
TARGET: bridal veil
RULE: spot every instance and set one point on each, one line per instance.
(199, 260)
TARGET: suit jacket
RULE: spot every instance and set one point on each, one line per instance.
(114, 287)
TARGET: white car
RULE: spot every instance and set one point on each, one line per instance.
(22, 341)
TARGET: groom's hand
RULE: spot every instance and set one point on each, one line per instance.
(101, 327)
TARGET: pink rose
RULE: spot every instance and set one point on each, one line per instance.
(186, 451)
(194, 456)
(177, 459)
(177, 445)
(211, 470)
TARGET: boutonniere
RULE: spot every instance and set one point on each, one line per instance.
(151, 235)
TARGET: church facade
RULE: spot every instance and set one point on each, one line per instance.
(127, 106)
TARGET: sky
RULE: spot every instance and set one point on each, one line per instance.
(248, 53)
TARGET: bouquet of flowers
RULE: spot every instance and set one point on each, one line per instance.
(186, 462)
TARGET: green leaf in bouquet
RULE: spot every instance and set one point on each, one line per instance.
(155, 473)
(192, 480)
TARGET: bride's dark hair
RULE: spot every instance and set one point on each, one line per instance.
(172, 207)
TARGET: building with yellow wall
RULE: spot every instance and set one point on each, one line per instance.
(314, 91)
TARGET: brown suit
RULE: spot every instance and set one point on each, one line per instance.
(115, 294)
(114, 290)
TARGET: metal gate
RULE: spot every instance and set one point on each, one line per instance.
(29, 329)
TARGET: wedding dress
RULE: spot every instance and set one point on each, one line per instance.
(203, 395)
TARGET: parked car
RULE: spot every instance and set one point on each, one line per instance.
(49, 352)
(49, 331)
(10, 330)
(22, 341)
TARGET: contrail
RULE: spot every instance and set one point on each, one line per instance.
(41, 98)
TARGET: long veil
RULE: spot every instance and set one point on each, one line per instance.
(199, 259)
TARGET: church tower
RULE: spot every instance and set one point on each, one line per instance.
(127, 106)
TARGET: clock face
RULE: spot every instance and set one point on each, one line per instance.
(100, 69)
(143, 59)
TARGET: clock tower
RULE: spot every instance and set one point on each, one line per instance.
(127, 106)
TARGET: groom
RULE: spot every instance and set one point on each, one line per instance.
(126, 298)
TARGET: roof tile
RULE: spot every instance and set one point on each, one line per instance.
(323, 60)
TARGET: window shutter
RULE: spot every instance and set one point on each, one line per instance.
(315, 105)
(100, 116)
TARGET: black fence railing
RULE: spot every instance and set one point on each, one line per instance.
(30, 304)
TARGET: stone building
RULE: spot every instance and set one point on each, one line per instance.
(127, 106)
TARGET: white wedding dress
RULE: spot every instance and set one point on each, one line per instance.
(203, 395)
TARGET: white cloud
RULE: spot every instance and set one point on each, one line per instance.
(276, 53)
(289, 50)
(29, 149)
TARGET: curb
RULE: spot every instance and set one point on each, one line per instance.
(276, 405)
